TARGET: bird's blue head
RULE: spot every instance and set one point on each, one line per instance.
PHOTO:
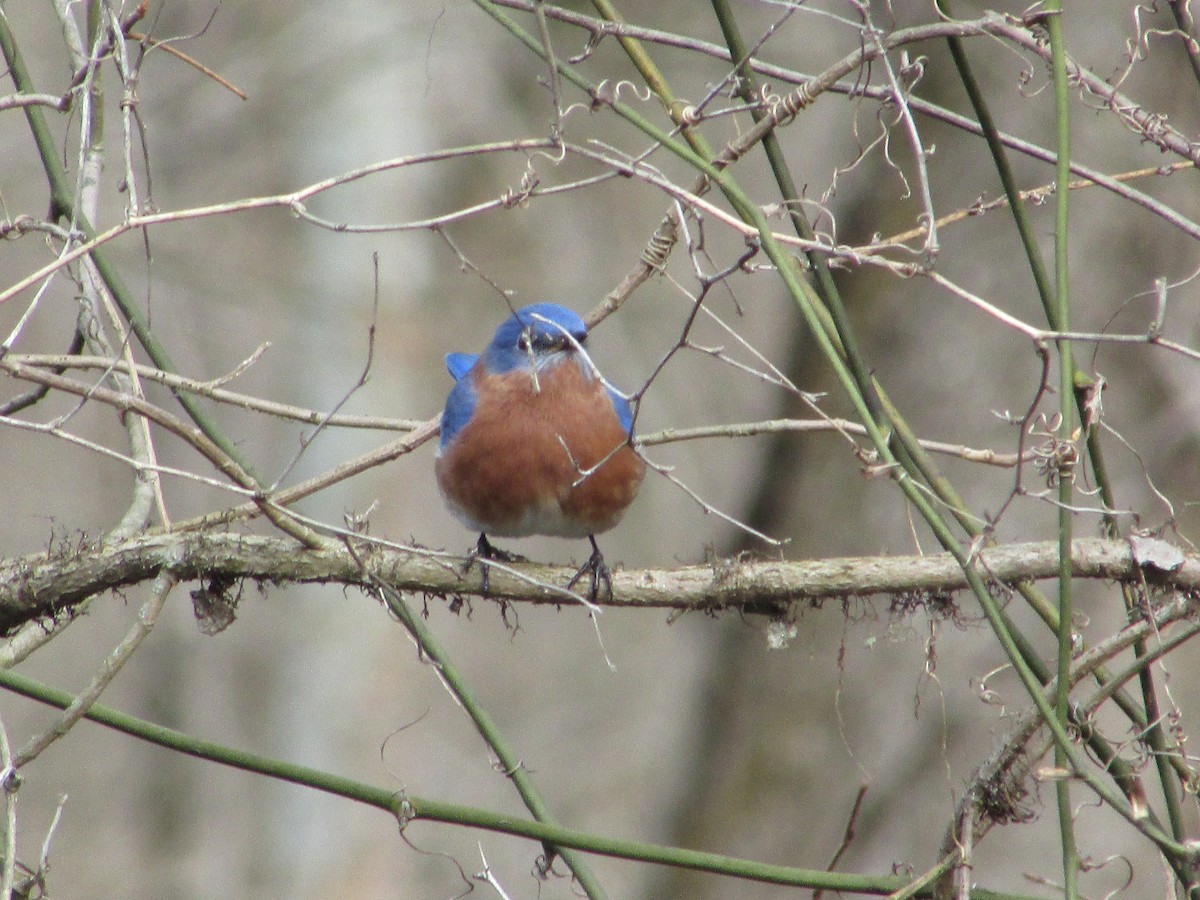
(531, 338)
(534, 334)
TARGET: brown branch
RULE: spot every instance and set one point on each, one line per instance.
(152, 42)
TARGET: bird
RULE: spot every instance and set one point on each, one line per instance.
(534, 441)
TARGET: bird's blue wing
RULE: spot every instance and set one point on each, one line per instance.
(623, 410)
(459, 364)
(460, 406)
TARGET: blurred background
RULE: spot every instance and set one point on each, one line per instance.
(700, 735)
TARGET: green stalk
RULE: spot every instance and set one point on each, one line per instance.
(510, 761)
(1066, 474)
(407, 808)
(908, 448)
(1170, 766)
(827, 289)
(811, 309)
(654, 80)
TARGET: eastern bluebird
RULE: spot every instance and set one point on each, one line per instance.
(534, 441)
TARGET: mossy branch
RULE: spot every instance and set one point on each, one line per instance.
(54, 582)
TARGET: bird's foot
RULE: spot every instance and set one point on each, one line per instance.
(598, 571)
(484, 550)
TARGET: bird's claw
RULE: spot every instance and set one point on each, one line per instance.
(598, 571)
(485, 550)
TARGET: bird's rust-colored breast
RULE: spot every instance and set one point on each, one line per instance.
(544, 457)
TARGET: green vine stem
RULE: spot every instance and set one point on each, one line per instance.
(510, 762)
(1169, 765)
(1066, 476)
(407, 808)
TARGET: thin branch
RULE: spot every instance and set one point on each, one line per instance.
(840, 426)
(166, 47)
(293, 201)
(287, 496)
(306, 440)
(61, 362)
(192, 435)
(15, 101)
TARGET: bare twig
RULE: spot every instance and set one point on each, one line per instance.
(306, 440)
(193, 436)
(211, 390)
(293, 201)
(166, 47)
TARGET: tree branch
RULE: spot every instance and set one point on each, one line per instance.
(52, 583)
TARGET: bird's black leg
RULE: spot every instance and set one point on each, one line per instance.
(485, 550)
(599, 571)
